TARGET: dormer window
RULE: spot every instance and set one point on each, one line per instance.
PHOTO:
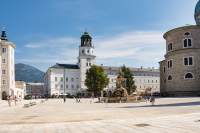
(187, 43)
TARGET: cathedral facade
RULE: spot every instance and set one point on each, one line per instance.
(180, 71)
(63, 79)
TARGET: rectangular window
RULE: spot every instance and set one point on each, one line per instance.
(56, 79)
(187, 43)
(3, 60)
(61, 86)
(188, 61)
(3, 50)
(185, 61)
(72, 86)
(3, 71)
(170, 47)
(4, 82)
(61, 79)
(169, 64)
(67, 79)
(67, 86)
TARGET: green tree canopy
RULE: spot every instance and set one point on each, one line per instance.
(129, 82)
(96, 79)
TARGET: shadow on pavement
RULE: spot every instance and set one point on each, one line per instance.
(167, 105)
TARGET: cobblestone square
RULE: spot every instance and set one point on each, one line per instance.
(169, 115)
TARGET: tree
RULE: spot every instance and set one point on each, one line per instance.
(96, 80)
(129, 82)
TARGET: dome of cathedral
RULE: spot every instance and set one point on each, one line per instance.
(197, 13)
(86, 35)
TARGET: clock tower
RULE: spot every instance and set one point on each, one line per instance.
(86, 57)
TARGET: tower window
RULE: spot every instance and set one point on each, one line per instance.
(187, 34)
(88, 51)
(4, 82)
(187, 43)
(169, 77)
(3, 60)
(83, 51)
(170, 47)
(3, 50)
(188, 61)
(189, 76)
(3, 71)
(169, 64)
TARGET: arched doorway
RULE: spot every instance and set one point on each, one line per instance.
(4, 95)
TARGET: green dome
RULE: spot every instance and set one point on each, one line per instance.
(197, 13)
(86, 35)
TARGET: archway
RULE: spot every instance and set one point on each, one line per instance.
(4, 95)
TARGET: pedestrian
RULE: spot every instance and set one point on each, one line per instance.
(152, 100)
(9, 101)
(15, 100)
(64, 98)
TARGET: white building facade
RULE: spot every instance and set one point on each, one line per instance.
(7, 68)
(144, 78)
(62, 79)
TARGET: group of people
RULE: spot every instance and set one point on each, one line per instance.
(78, 100)
(12, 98)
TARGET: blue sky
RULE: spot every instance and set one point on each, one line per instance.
(124, 31)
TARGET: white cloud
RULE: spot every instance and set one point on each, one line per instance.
(53, 42)
(138, 44)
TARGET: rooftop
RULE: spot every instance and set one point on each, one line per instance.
(66, 66)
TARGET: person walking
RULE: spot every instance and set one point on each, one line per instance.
(9, 101)
(64, 99)
(152, 100)
(15, 100)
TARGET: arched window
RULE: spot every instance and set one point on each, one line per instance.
(169, 77)
(189, 76)
(187, 34)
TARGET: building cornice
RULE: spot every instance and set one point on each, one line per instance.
(181, 28)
